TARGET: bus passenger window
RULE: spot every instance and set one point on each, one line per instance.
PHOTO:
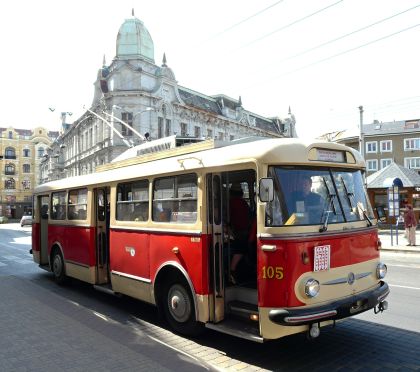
(175, 199)
(77, 204)
(133, 201)
(58, 202)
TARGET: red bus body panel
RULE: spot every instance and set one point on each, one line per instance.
(152, 249)
(77, 242)
(346, 249)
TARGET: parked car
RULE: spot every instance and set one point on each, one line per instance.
(3, 219)
(26, 220)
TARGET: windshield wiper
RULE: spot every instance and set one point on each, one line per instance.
(327, 211)
(350, 198)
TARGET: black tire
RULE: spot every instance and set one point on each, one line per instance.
(178, 307)
(57, 267)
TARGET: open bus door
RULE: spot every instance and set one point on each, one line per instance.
(43, 210)
(102, 235)
(215, 226)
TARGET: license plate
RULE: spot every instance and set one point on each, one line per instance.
(322, 258)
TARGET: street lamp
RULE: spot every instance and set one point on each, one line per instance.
(361, 149)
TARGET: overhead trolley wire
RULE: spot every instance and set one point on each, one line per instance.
(337, 55)
(245, 20)
(346, 35)
(290, 24)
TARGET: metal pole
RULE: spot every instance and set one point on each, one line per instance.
(361, 144)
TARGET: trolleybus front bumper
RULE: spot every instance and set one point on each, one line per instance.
(333, 311)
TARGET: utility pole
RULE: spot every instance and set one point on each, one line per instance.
(361, 144)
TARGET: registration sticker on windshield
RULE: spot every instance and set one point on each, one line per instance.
(322, 257)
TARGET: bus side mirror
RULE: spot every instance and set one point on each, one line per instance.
(266, 189)
(381, 213)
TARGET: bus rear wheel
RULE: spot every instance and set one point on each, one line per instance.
(179, 310)
(57, 267)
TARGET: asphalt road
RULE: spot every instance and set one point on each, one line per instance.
(109, 333)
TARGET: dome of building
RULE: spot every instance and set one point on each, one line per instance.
(134, 41)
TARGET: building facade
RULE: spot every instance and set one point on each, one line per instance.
(385, 143)
(21, 152)
(135, 100)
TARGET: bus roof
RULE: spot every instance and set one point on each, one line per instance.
(212, 154)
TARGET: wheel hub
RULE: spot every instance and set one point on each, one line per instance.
(179, 304)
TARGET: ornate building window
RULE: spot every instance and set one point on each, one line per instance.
(9, 169)
(10, 153)
(26, 168)
(168, 128)
(26, 184)
(160, 127)
(184, 129)
(197, 132)
(127, 117)
(10, 184)
(40, 152)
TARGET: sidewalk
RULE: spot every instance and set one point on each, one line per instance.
(389, 244)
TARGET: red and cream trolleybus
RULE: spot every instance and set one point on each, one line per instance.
(260, 239)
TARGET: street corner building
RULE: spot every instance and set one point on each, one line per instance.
(135, 100)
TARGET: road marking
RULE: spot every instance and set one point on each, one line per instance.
(405, 286)
(409, 266)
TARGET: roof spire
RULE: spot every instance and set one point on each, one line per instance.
(132, 12)
(103, 61)
(164, 61)
(240, 101)
(290, 111)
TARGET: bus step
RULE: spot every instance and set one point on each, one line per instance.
(237, 328)
(106, 288)
(243, 309)
(45, 267)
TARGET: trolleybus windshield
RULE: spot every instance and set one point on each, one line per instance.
(317, 196)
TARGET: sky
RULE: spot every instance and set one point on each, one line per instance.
(321, 58)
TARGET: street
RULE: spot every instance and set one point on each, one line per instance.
(73, 328)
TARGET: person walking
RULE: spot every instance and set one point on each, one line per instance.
(410, 223)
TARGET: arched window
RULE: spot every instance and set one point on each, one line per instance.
(10, 184)
(26, 184)
(9, 169)
(10, 153)
(26, 168)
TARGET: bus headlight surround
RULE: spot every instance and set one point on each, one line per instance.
(312, 288)
(381, 270)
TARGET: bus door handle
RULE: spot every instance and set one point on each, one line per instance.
(269, 247)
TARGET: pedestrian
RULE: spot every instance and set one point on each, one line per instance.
(410, 223)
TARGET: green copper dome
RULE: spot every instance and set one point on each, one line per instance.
(134, 41)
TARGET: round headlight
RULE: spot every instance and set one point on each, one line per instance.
(311, 287)
(381, 270)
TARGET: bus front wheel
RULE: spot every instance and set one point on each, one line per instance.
(179, 309)
(58, 267)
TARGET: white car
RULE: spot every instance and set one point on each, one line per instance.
(26, 220)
